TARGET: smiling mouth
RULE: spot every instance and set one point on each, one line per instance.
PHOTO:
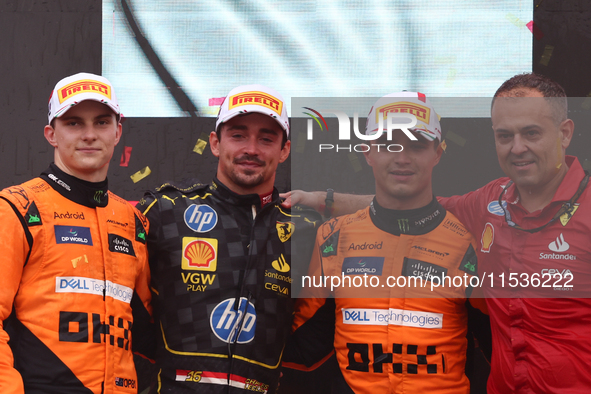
(250, 162)
(522, 163)
(404, 173)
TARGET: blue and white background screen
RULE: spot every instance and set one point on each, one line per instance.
(330, 48)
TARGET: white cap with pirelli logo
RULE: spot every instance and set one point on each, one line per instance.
(77, 88)
(253, 98)
(413, 103)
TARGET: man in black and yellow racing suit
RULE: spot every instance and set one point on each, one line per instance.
(221, 257)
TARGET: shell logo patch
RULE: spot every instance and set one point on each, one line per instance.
(200, 254)
(488, 237)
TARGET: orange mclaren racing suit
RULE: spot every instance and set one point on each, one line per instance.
(390, 336)
(74, 264)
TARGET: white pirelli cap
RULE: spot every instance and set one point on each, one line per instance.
(254, 98)
(413, 103)
(74, 89)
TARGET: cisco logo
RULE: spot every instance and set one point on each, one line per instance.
(231, 325)
(200, 218)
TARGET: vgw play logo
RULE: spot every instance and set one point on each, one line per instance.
(394, 121)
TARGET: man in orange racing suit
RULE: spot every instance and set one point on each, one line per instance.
(75, 261)
(391, 335)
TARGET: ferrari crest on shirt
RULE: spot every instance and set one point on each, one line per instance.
(284, 230)
(565, 217)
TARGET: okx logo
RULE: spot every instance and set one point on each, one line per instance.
(393, 121)
(233, 324)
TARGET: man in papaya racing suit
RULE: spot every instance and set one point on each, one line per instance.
(221, 257)
(369, 289)
(75, 277)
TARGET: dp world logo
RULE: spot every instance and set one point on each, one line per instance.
(231, 325)
(200, 218)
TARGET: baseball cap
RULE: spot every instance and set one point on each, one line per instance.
(253, 98)
(413, 103)
(74, 89)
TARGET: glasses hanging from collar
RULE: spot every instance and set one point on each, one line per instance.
(565, 208)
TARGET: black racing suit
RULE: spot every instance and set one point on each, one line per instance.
(221, 274)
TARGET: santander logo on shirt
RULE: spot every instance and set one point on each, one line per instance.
(558, 245)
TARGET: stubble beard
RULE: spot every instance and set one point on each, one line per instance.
(247, 179)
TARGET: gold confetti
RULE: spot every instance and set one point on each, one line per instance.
(354, 159)
(451, 59)
(451, 76)
(201, 144)
(141, 174)
(453, 137)
(301, 144)
(546, 55)
(515, 20)
(444, 145)
(77, 259)
(586, 104)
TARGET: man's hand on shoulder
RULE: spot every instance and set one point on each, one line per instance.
(343, 203)
(299, 197)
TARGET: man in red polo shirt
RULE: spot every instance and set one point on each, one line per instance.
(538, 237)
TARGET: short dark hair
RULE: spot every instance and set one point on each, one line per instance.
(546, 86)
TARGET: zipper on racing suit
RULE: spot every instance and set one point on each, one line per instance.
(251, 259)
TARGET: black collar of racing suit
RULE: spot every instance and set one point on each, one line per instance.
(222, 191)
(89, 194)
(411, 222)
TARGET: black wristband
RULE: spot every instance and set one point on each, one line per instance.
(328, 202)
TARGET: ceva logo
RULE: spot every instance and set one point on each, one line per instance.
(560, 245)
